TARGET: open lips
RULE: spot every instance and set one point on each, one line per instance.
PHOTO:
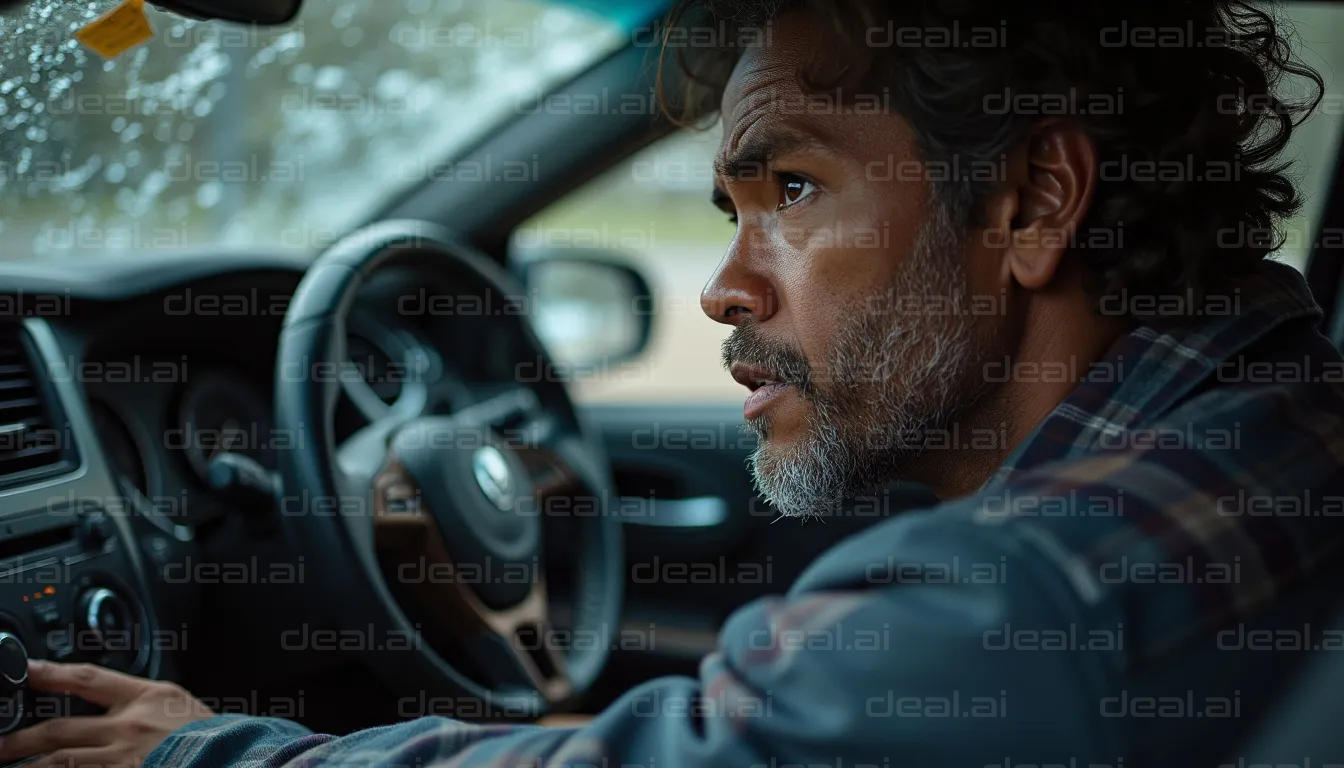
(764, 384)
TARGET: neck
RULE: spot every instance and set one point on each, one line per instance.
(1062, 338)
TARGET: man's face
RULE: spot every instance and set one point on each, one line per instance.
(848, 285)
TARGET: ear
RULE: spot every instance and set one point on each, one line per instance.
(1051, 180)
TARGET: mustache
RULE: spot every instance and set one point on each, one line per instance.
(746, 344)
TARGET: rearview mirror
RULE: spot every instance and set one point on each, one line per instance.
(265, 12)
(588, 310)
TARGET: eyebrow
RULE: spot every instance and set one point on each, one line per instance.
(756, 152)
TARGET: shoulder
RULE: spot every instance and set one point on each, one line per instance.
(1204, 516)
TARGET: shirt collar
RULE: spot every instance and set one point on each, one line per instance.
(1179, 343)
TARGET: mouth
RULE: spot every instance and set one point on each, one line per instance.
(765, 386)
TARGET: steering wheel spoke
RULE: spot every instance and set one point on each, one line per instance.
(558, 460)
(502, 410)
(515, 643)
(362, 456)
(361, 465)
(526, 632)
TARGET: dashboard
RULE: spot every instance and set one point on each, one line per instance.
(164, 407)
(119, 546)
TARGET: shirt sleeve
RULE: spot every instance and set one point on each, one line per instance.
(921, 642)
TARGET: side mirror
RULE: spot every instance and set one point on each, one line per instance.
(589, 309)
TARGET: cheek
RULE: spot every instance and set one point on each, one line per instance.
(831, 278)
(986, 273)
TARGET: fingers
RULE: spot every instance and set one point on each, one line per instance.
(53, 735)
(93, 684)
(565, 721)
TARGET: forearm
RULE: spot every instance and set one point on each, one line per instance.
(235, 740)
(259, 742)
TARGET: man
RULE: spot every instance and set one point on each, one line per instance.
(1130, 417)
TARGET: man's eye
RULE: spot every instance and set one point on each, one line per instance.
(794, 189)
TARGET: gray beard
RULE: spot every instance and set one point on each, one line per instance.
(891, 380)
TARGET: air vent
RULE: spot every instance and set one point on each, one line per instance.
(35, 439)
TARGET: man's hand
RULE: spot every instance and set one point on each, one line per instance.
(140, 715)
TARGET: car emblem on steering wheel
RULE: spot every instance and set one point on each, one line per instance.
(492, 475)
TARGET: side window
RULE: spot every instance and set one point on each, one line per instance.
(653, 211)
(1315, 143)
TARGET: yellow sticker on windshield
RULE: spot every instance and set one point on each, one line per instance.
(119, 29)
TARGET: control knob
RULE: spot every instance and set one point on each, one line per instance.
(106, 623)
(13, 681)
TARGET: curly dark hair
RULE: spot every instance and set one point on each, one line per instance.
(1198, 88)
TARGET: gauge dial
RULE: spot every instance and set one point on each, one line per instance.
(222, 412)
(123, 454)
(130, 468)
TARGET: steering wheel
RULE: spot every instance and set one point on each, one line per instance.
(464, 495)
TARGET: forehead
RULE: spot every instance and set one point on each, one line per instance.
(764, 102)
(765, 81)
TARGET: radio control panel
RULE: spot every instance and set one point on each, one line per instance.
(65, 595)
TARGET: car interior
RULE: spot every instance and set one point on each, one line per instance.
(385, 210)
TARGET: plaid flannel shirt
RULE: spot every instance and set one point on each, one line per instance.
(1132, 587)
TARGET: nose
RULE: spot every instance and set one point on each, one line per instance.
(737, 292)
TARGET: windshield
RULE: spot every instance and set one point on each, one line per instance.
(224, 134)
